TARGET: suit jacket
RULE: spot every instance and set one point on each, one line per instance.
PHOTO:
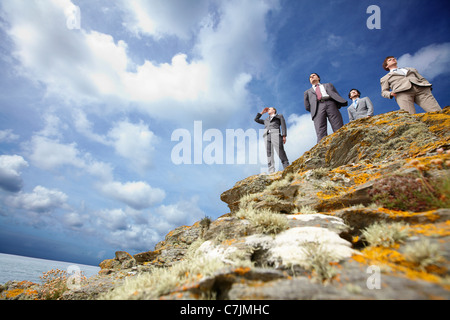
(364, 109)
(310, 98)
(275, 124)
(399, 83)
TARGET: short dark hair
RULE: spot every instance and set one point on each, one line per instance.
(385, 63)
(315, 74)
(359, 93)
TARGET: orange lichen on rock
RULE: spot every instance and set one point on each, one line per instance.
(396, 263)
(431, 162)
(14, 293)
(431, 229)
(25, 288)
(229, 242)
(438, 123)
(397, 214)
(325, 195)
(241, 271)
(108, 264)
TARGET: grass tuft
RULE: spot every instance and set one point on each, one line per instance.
(385, 234)
(423, 253)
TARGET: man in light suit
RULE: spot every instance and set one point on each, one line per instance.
(408, 87)
(360, 107)
(324, 102)
(273, 137)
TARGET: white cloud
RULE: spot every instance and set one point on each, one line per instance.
(80, 65)
(101, 170)
(8, 136)
(109, 62)
(159, 18)
(237, 43)
(74, 220)
(430, 61)
(138, 195)
(134, 142)
(127, 229)
(185, 212)
(220, 47)
(301, 136)
(114, 220)
(52, 127)
(49, 154)
(135, 238)
(48, 51)
(85, 127)
(41, 200)
(10, 175)
(178, 81)
(137, 231)
(334, 41)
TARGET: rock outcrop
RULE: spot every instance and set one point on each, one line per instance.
(365, 214)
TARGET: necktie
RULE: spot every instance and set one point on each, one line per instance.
(318, 93)
(356, 104)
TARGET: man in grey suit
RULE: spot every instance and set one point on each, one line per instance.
(323, 101)
(408, 87)
(360, 107)
(273, 137)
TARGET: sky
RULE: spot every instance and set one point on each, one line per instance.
(122, 120)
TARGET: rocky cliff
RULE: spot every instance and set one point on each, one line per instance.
(365, 214)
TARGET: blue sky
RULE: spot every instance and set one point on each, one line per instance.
(92, 93)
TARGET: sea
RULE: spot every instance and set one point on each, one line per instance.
(13, 267)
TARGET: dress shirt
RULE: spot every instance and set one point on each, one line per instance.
(401, 71)
(322, 91)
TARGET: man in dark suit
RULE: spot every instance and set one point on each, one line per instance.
(273, 137)
(324, 102)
